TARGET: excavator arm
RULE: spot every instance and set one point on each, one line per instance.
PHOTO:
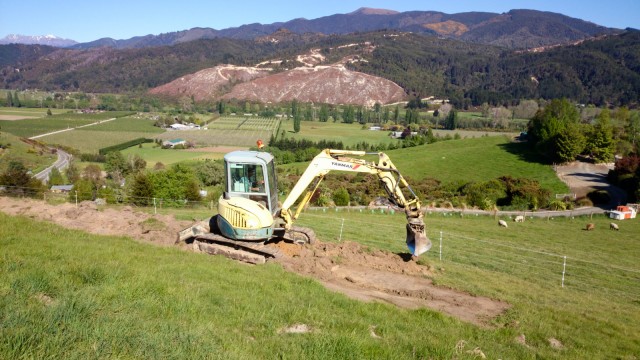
(390, 179)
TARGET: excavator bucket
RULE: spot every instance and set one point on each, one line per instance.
(417, 240)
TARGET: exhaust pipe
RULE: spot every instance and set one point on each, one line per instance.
(417, 240)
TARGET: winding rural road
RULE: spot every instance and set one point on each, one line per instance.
(63, 161)
(63, 157)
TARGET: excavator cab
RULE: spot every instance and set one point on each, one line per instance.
(246, 208)
(251, 175)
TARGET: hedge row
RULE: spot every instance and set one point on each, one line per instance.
(123, 145)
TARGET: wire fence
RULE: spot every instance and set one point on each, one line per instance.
(115, 198)
(494, 255)
(548, 269)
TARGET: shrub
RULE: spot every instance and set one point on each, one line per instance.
(486, 194)
(557, 205)
(582, 202)
(341, 197)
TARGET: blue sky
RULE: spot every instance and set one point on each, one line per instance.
(84, 21)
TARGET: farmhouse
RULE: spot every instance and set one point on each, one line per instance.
(178, 127)
(61, 188)
(173, 143)
(398, 134)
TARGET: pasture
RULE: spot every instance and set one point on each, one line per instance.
(348, 134)
(13, 113)
(90, 139)
(466, 160)
(352, 134)
(476, 159)
(229, 130)
(37, 126)
(115, 297)
(514, 123)
(153, 154)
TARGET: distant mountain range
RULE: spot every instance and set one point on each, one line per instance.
(50, 40)
(367, 56)
(518, 29)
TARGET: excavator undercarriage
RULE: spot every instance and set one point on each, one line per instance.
(205, 237)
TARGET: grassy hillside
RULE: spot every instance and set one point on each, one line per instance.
(475, 159)
(74, 295)
(467, 160)
(32, 157)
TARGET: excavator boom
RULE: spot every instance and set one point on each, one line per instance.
(398, 190)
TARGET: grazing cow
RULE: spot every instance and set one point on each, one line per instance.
(502, 223)
(519, 218)
(614, 226)
(590, 226)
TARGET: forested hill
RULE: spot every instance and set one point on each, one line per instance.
(603, 70)
(599, 71)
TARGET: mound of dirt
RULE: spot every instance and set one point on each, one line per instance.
(157, 229)
(348, 268)
(377, 275)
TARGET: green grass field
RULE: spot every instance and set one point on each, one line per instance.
(351, 134)
(153, 154)
(476, 159)
(68, 294)
(28, 113)
(32, 127)
(467, 160)
(348, 134)
(90, 139)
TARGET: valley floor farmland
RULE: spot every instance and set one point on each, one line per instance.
(118, 305)
(11, 113)
(232, 130)
(152, 154)
(90, 139)
(352, 134)
(47, 124)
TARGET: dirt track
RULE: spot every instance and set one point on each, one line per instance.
(347, 268)
(583, 177)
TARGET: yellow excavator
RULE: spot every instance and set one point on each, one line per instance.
(250, 217)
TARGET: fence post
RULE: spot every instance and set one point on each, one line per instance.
(155, 210)
(76, 198)
(341, 227)
(440, 245)
(564, 268)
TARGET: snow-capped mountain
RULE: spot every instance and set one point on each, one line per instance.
(50, 40)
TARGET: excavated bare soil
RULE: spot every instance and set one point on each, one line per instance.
(348, 268)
